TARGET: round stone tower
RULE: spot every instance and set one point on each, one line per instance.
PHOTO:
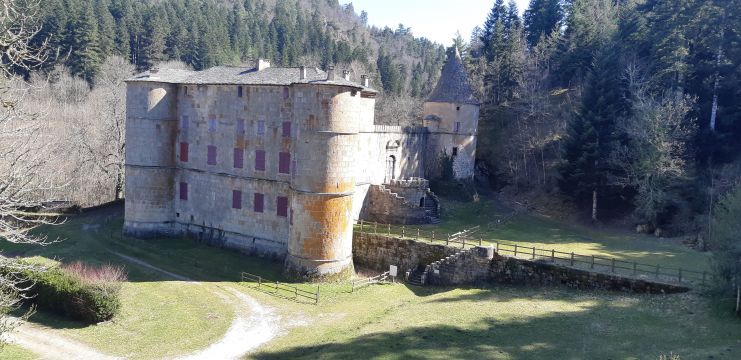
(320, 236)
(451, 115)
(151, 130)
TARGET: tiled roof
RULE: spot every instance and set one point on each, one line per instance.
(236, 75)
(453, 86)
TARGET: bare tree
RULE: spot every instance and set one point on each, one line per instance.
(23, 153)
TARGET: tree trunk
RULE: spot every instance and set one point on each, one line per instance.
(594, 205)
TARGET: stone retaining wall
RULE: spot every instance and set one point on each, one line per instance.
(377, 252)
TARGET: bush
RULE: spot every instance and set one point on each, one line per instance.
(78, 291)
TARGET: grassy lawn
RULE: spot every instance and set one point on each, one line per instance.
(164, 318)
(15, 352)
(546, 233)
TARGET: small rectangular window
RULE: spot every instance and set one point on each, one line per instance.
(455, 151)
(282, 204)
(236, 199)
(260, 127)
(284, 163)
(259, 203)
(457, 127)
(184, 151)
(238, 158)
(260, 160)
(286, 129)
(285, 92)
(240, 126)
(183, 191)
(239, 91)
(211, 155)
(211, 125)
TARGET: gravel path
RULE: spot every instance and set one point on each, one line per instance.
(48, 345)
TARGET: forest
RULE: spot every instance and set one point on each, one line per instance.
(610, 111)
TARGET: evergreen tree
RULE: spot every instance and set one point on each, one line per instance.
(541, 18)
(153, 43)
(494, 23)
(85, 57)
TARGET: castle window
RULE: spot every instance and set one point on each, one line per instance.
(261, 127)
(455, 151)
(211, 125)
(286, 129)
(183, 191)
(284, 163)
(184, 151)
(458, 126)
(259, 203)
(240, 126)
(260, 160)
(239, 91)
(238, 158)
(285, 92)
(282, 202)
(211, 155)
(236, 199)
(458, 108)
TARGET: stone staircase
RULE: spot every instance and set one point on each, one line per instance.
(432, 210)
(416, 277)
(429, 213)
(420, 276)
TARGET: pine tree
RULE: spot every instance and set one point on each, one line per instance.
(541, 18)
(153, 43)
(85, 56)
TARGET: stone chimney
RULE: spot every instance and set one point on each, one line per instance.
(302, 72)
(330, 73)
(261, 64)
(364, 81)
(346, 74)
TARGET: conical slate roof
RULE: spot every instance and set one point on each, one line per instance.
(453, 86)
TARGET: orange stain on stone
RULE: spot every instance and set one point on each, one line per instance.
(331, 224)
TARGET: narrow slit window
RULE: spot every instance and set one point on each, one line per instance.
(183, 191)
(455, 151)
(457, 126)
(238, 158)
(239, 91)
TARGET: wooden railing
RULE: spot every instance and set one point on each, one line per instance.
(279, 289)
(468, 238)
(358, 284)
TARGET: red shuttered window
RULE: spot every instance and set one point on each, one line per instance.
(284, 163)
(260, 160)
(259, 204)
(282, 203)
(236, 199)
(184, 151)
(211, 155)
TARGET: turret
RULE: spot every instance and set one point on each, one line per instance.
(451, 115)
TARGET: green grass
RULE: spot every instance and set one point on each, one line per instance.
(164, 318)
(15, 352)
(546, 233)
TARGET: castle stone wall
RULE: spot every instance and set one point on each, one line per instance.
(444, 137)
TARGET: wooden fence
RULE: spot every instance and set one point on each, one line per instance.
(588, 262)
(358, 284)
(282, 290)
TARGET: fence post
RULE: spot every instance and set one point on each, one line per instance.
(592, 266)
(533, 252)
(403, 231)
(433, 236)
(259, 281)
(295, 293)
(680, 275)
(375, 228)
(553, 255)
(389, 229)
(480, 240)
(317, 294)
(572, 258)
(276, 287)
(657, 271)
(417, 234)
(515, 250)
(464, 243)
(613, 264)
(497, 247)
(448, 240)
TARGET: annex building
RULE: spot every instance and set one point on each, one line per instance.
(283, 161)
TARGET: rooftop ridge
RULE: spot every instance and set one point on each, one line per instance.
(453, 85)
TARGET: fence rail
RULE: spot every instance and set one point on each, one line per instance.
(358, 284)
(588, 262)
(279, 289)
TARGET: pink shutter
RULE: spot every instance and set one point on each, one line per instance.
(211, 155)
(260, 160)
(184, 151)
(238, 158)
(284, 163)
(236, 199)
(282, 206)
(183, 191)
(259, 202)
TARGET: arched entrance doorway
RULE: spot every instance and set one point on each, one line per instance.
(390, 168)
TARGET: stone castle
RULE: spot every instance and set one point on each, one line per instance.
(283, 161)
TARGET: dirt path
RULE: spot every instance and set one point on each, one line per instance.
(48, 345)
(252, 326)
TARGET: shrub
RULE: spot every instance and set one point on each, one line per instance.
(78, 291)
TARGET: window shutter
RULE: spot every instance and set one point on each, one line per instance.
(236, 199)
(260, 160)
(284, 163)
(282, 203)
(211, 155)
(259, 202)
(183, 191)
(238, 158)
(184, 151)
